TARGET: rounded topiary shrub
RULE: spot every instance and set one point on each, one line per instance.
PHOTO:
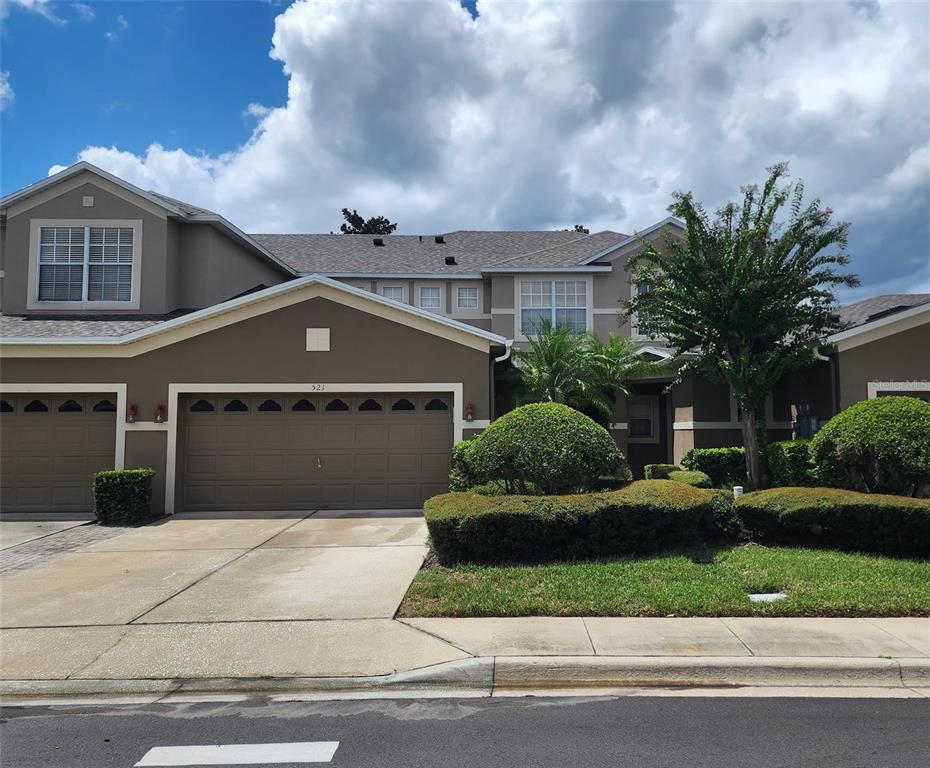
(548, 447)
(876, 446)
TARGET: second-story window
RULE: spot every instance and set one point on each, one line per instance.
(429, 297)
(466, 297)
(85, 264)
(393, 292)
(557, 302)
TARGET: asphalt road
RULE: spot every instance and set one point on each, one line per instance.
(559, 732)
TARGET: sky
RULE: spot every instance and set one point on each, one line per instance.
(444, 115)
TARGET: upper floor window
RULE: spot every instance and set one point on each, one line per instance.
(393, 292)
(558, 302)
(466, 297)
(87, 264)
(429, 297)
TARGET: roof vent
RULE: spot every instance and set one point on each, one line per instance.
(440, 239)
(378, 241)
(888, 311)
(450, 261)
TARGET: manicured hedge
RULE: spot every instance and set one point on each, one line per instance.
(659, 471)
(840, 519)
(547, 446)
(789, 463)
(461, 475)
(645, 516)
(725, 467)
(877, 446)
(123, 496)
(691, 477)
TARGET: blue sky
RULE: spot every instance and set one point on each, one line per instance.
(500, 115)
(179, 73)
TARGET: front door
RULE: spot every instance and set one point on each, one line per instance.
(647, 428)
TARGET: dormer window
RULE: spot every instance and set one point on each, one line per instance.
(81, 264)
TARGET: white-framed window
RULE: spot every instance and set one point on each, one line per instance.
(466, 297)
(558, 302)
(643, 419)
(393, 292)
(638, 288)
(85, 264)
(430, 297)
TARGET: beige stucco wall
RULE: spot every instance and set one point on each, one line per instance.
(271, 348)
(68, 206)
(901, 357)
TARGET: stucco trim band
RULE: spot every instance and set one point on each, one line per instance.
(875, 387)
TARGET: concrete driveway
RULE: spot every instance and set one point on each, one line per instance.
(212, 568)
(247, 595)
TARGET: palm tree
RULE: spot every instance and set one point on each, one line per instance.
(580, 370)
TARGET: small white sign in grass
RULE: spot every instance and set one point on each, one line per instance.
(766, 597)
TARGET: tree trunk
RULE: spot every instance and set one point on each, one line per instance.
(753, 450)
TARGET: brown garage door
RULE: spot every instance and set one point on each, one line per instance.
(50, 447)
(274, 451)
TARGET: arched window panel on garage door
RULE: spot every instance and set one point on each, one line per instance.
(304, 405)
(436, 404)
(70, 406)
(202, 406)
(104, 406)
(403, 405)
(337, 404)
(35, 406)
(6, 406)
(370, 405)
(236, 406)
(269, 406)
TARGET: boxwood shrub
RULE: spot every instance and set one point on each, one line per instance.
(123, 496)
(725, 467)
(461, 474)
(659, 471)
(877, 446)
(547, 446)
(789, 463)
(836, 518)
(691, 477)
(645, 516)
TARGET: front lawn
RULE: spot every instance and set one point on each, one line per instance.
(817, 582)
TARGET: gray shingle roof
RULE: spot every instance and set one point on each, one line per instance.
(421, 254)
(188, 209)
(866, 310)
(18, 327)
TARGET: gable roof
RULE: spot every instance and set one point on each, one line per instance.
(109, 339)
(173, 207)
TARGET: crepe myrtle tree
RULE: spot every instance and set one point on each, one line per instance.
(747, 296)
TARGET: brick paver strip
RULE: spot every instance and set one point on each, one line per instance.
(39, 551)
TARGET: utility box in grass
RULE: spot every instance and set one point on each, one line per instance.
(123, 496)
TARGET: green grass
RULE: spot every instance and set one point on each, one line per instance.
(818, 583)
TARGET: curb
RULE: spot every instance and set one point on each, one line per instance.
(485, 674)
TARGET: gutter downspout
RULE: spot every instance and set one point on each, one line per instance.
(493, 399)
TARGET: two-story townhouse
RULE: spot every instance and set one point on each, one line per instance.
(294, 371)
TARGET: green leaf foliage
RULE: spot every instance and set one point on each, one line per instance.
(546, 446)
(659, 471)
(839, 519)
(748, 296)
(691, 477)
(725, 467)
(789, 463)
(580, 370)
(123, 496)
(878, 446)
(645, 516)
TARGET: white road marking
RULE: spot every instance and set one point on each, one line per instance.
(241, 754)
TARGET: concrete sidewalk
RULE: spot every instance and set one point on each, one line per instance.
(466, 654)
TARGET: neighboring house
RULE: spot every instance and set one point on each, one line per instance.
(302, 371)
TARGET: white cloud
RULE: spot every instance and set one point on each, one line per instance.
(121, 26)
(42, 7)
(544, 115)
(84, 11)
(6, 91)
